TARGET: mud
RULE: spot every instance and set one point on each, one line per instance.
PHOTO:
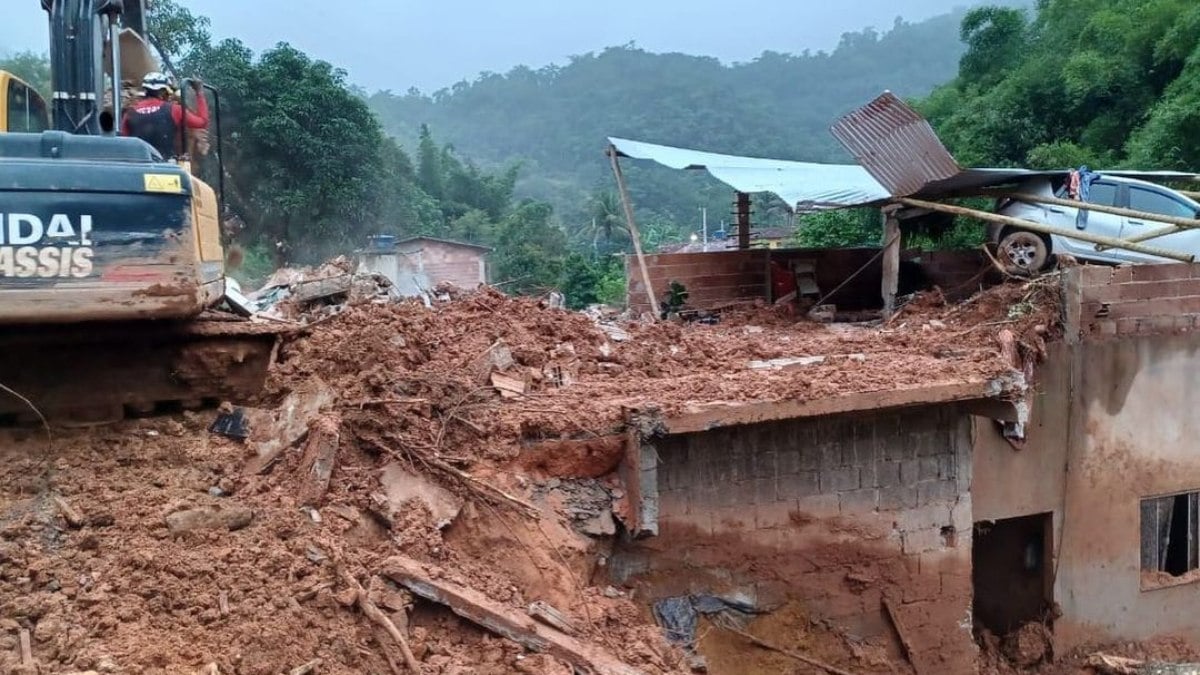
(117, 590)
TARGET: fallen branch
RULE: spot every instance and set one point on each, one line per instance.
(306, 669)
(483, 489)
(375, 614)
(477, 487)
(387, 655)
(786, 652)
(1119, 665)
(69, 513)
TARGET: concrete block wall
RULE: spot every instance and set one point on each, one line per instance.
(1107, 302)
(721, 277)
(837, 513)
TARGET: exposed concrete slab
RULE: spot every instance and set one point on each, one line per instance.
(714, 415)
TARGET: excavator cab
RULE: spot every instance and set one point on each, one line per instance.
(107, 250)
(23, 109)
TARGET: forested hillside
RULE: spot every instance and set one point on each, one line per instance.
(1098, 82)
(554, 120)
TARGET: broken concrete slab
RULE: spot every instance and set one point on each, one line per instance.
(273, 431)
(600, 525)
(226, 518)
(432, 583)
(401, 486)
(317, 289)
(497, 357)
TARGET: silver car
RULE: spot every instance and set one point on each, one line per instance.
(1028, 252)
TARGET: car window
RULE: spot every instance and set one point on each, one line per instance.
(1103, 194)
(1150, 201)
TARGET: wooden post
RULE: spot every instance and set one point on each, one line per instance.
(1081, 235)
(633, 231)
(743, 220)
(891, 260)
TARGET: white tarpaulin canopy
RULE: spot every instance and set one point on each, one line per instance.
(809, 186)
(805, 186)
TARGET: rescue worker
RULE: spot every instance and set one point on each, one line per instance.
(158, 120)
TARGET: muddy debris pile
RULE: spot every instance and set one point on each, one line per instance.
(428, 489)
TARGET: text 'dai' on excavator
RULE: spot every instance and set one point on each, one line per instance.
(112, 275)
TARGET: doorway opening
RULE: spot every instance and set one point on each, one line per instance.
(1012, 570)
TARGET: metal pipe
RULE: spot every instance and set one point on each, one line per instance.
(1111, 242)
(115, 33)
(220, 155)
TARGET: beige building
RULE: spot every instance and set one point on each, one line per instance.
(419, 264)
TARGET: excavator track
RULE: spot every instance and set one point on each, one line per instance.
(96, 373)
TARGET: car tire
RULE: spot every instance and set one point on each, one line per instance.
(1023, 252)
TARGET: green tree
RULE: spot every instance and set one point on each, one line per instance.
(31, 67)
(530, 249)
(429, 164)
(176, 30)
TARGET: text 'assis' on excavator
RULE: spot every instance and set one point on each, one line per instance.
(112, 272)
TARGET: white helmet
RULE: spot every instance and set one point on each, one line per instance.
(155, 82)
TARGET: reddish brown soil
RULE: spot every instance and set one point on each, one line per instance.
(119, 593)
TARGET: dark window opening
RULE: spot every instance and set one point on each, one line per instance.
(1011, 567)
(1170, 528)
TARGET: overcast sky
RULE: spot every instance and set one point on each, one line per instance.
(395, 44)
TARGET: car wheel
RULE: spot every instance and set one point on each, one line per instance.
(1023, 252)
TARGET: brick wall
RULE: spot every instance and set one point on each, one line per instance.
(1107, 301)
(836, 513)
(444, 262)
(717, 278)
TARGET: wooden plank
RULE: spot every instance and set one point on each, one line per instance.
(891, 262)
(627, 204)
(434, 584)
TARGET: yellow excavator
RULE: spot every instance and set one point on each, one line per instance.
(112, 275)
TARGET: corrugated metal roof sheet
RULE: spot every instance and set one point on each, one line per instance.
(805, 186)
(895, 145)
(899, 152)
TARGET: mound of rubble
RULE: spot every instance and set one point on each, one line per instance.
(422, 487)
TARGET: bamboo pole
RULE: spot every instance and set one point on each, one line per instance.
(1190, 193)
(1148, 235)
(1112, 242)
(633, 231)
(1187, 223)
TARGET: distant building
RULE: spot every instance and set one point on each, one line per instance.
(761, 237)
(419, 264)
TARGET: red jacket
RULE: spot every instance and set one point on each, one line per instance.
(196, 120)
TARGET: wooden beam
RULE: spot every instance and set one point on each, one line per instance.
(633, 230)
(1100, 208)
(891, 261)
(435, 584)
(1113, 242)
